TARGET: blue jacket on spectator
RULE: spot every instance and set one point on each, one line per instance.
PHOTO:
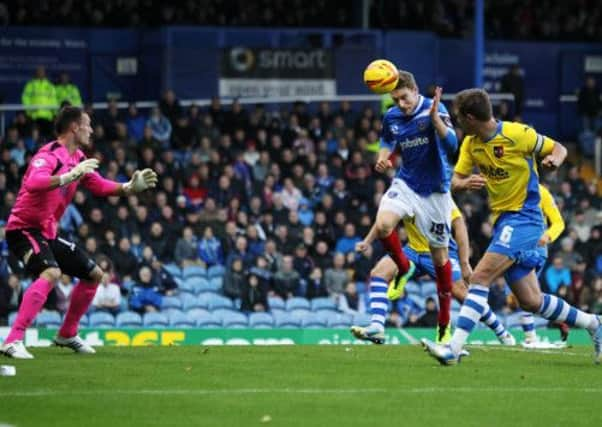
(71, 219)
(346, 244)
(210, 251)
(555, 277)
(136, 127)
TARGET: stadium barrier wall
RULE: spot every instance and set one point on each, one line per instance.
(174, 336)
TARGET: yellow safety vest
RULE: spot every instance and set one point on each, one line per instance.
(40, 92)
(68, 92)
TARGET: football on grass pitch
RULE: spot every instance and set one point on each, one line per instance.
(381, 76)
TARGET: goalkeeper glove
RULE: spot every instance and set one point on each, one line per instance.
(82, 168)
(141, 180)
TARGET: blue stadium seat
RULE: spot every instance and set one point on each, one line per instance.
(276, 303)
(193, 271)
(195, 313)
(155, 320)
(11, 318)
(418, 300)
(454, 317)
(220, 301)
(171, 302)
(339, 320)
(196, 283)
(297, 302)
(83, 322)
(217, 282)
(231, 318)
(208, 286)
(186, 286)
(413, 288)
(362, 319)
(540, 322)
(514, 320)
(208, 321)
(179, 319)
(312, 323)
(128, 319)
(285, 320)
(428, 288)
(216, 271)
(192, 301)
(49, 319)
(323, 303)
(301, 313)
(173, 269)
(261, 320)
(101, 319)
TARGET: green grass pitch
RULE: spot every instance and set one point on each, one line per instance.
(301, 386)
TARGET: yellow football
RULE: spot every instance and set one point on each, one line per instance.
(381, 76)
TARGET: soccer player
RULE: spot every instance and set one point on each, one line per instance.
(417, 250)
(505, 154)
(422, 131)
(48, 187)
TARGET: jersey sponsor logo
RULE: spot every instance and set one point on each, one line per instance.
(493, 172)
(415, 142)
(38, 163)
(498, 151)
(392, 194)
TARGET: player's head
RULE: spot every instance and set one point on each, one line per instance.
(405, 94)
(73, 122)
(473, 108)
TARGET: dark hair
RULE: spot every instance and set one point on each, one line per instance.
(406, 80)
(65, 117)
(475, 102)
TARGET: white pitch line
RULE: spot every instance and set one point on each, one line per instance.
(517, 349)
(417, 390)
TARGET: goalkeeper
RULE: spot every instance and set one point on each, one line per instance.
(48, 187)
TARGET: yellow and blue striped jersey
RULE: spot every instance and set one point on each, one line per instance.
(551, 214)
(507, 161)
(418, 241)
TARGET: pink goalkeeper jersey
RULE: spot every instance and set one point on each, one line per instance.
(39, 207)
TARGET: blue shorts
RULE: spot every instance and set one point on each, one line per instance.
(424, 263)
(515, 235)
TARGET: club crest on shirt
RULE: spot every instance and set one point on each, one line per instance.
(39, 163)
(498, 151)
(422, 124)
(395, 129)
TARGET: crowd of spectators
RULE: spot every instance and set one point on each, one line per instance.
(276, 198)
(504, 19)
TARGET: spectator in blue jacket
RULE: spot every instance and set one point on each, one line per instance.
(210, 249)
(347, 243)
(557, 274)
(160, 126)
(135, 123)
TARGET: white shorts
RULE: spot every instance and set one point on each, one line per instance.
(432, 213)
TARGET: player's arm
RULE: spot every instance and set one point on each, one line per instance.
(553, 152)
(461, 237)
(102, 187)
(370, 237)
(41, 177)
(463, 179)
(553, 216)
(442, 124)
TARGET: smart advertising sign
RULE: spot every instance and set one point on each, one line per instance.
(246, 72)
